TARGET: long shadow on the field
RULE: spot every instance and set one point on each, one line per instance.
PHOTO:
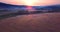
(15, 14)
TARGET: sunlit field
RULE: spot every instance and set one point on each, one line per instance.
(42, 22)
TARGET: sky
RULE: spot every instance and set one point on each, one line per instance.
(32, 2)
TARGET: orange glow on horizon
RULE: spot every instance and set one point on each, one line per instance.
(32, 2)
(29, 7)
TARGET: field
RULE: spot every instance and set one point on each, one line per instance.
(42, 22)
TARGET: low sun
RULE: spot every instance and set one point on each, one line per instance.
(29, 2)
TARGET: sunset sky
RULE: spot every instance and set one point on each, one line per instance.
(32, 2)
